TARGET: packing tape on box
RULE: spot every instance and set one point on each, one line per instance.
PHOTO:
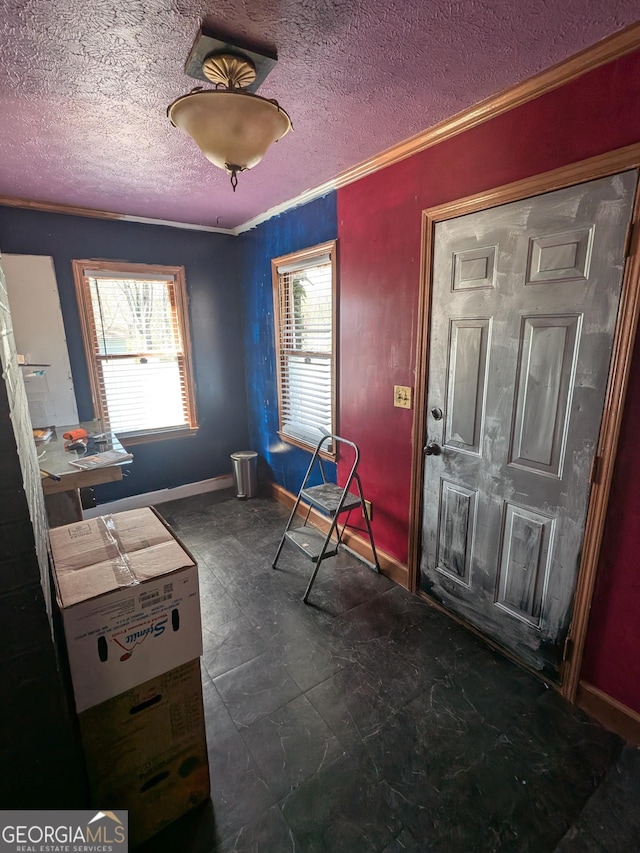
(120, 562)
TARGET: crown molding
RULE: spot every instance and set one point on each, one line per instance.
(303, 198)
(91, 213)
(186, 226)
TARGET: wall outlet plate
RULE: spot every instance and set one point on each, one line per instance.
(403, 396)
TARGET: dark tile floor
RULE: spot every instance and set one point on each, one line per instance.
(367, 721)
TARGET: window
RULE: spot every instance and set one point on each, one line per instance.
(136, 337)
(304, 311)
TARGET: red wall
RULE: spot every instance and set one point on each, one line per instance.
(612, 657)
(379, 219)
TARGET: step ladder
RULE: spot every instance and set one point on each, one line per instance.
(332, 501)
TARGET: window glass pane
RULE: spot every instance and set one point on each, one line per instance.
(143, 393)
(306, 397)
(132, 316)
(311, 309)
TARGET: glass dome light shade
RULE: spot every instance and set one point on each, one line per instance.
(232, 129)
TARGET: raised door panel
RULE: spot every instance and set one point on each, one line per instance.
(475, 269)
(560, 257)
(455, 531)
(466, 382)
(524, 562)
(546, 374)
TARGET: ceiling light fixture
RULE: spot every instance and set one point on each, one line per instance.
(232, 126)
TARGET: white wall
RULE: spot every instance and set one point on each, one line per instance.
(40, 337)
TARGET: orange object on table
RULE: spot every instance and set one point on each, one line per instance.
(75, 434)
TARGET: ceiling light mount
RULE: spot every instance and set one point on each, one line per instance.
(229, 70)
(232, 126)
(208, 44)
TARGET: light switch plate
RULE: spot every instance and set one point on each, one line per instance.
(403, 396)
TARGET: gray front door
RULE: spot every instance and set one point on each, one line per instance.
(524, 304)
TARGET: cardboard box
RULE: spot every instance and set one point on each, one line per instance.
(146, 750)
(128, 593)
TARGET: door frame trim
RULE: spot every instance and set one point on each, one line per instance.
(624, 337)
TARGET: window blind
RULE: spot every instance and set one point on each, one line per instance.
(139, 353)
(299, 265)
(306, 351)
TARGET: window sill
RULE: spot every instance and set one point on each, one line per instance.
(158, 435)
(310, 448)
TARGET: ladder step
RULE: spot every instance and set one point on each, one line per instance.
(310, 541)
(327, 498)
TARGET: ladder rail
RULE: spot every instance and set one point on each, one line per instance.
(318, 562)
(296, 504)
(367, 522)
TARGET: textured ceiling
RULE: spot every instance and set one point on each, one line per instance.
(84, 86)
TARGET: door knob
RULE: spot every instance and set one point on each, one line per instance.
(432, 449)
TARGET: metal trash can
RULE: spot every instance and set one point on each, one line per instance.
(245, 473)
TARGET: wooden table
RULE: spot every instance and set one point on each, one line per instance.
(62, 497)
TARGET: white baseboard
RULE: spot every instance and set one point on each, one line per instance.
(161, 496)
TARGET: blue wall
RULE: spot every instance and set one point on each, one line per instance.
(215, 306)
(301, 228)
